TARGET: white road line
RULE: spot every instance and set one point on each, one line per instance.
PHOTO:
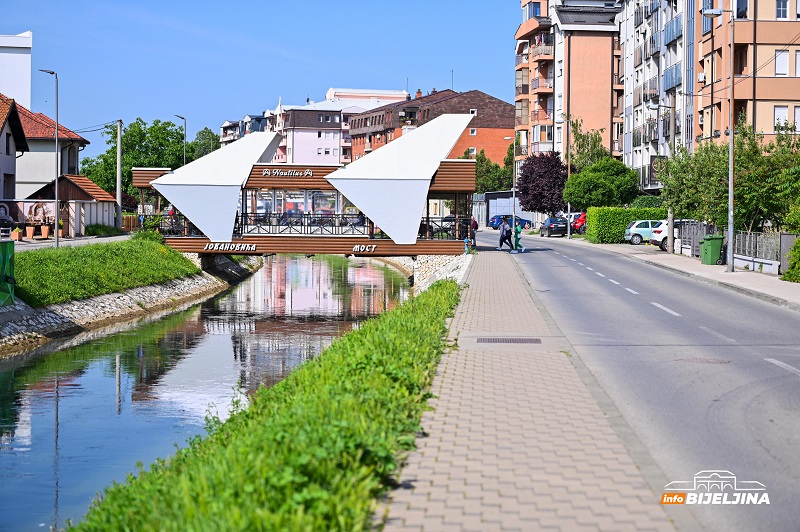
(718, 335)
(787, 367)
(634, 292)
(581, 264)
(600, 274)
(573, 260)
(612, 281)
(665, 309)
(590, 269)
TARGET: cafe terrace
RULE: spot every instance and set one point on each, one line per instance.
(234, 201)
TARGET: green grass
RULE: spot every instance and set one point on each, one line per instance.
(102, 230)
(48, 276)
(311, 453)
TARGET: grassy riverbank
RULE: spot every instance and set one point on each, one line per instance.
(311, 453)
(48, 276)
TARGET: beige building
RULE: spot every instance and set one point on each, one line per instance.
(766, 67)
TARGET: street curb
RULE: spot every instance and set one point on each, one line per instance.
(738, 289)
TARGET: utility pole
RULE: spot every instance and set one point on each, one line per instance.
(119, 174)
(670, 212)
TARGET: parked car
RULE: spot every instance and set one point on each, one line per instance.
(639, 231)
(658, 237)
(579, 225)
(497, 220)
(553, 226)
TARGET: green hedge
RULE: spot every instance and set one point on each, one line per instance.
(102, 230)
(793, 272)
(58, 275)
(312, 452)
(606, 225)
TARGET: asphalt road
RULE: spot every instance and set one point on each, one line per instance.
(708, 379)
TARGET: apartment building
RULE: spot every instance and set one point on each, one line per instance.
(766, 66)
(568, 62)
(489, 130)
(657, 40)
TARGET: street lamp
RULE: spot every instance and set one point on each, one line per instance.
(712, 14)
(569, 170)
(184, 138)
(514, 185)
(55, 186)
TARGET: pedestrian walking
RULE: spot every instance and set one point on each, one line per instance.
(505, 235)
(518, 236)
(473, 230)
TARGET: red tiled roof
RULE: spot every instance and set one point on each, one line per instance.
(5, 108)
(90, 187)
(9, 113)
(39, 126)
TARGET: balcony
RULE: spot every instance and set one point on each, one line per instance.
(521, 150)
(523, 120)
(541, 85)
(673, 29)
(541, 147)
(617, 46)
(673, 76)
(650, 88)
(654, 44)
(542, 115)
(522, 89)
(347, 140)
(522, 59)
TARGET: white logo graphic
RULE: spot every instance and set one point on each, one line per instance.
(715, 487)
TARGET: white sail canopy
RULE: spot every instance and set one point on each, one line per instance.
(207, 190)
(390, 185)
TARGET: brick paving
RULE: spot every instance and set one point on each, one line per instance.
(516, 440)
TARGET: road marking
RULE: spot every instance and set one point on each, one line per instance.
(573, 260)
(780, 364)
(634, 292)
(581, 264)
(665, 309)
(600, 274)
(718, 335)
(590, 269)
(612, 281)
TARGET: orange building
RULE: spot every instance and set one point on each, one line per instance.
(490, 129)
(567, 64)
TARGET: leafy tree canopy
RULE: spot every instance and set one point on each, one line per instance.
(607, 183)
(541, 183)
(586, 148)
(490, 176)
(156, 145)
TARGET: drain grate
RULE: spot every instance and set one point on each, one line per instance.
(509, 341)
(703, 360)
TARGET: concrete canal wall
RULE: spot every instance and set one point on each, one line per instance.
(427, 269)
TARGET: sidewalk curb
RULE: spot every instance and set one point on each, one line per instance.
(733, 288)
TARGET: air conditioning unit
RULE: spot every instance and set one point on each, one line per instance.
(700, 119)
(701, 77)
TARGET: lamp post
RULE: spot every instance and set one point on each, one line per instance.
(514, 185)
(184, 138)
(712, 14)
(569, 169)
(55, 186)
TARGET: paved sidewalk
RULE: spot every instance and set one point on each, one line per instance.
(760, 285)
(516, 441)
(38, 243)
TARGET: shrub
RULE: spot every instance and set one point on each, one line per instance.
(102, 230)
(58, 275)
(793, 272)
(647, 202)
(312, 452)
(606, 225)
(151, 235)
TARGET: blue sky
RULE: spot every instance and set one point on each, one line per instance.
(213, 61)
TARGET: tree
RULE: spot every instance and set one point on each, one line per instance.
(586, 148)
(204, 143)
(541, 183)
(158, 145)
(489, 176)
(606, 183)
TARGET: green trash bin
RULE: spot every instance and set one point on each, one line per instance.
(6, 272)
(711, 247)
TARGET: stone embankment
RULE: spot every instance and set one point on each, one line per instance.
(23, 327)
(427, 269)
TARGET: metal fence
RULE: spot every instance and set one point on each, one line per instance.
(787, 241)
(764, 246)
(691, 233)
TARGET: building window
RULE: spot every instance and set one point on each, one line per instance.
(473, 152)
(8, 144)
(797, 64)
(797, 119)
(781, 62)
(473, 112)
(781, 9)
(328, 135)
(319, 134)
(781, 116)
(319, 117)
(336, 119)
(319, 151)
(707, 4)
(473, 131)
(327, 118)
(336, 151)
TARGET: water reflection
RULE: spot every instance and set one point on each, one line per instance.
(74, 420)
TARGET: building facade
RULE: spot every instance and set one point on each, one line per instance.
(568, 62)
(490, 130)
(15, 65)
(12, 137)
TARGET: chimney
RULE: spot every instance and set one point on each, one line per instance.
(433, 91)
(419, 93)
(408, 97)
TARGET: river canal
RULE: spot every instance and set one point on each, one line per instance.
(75, 419)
